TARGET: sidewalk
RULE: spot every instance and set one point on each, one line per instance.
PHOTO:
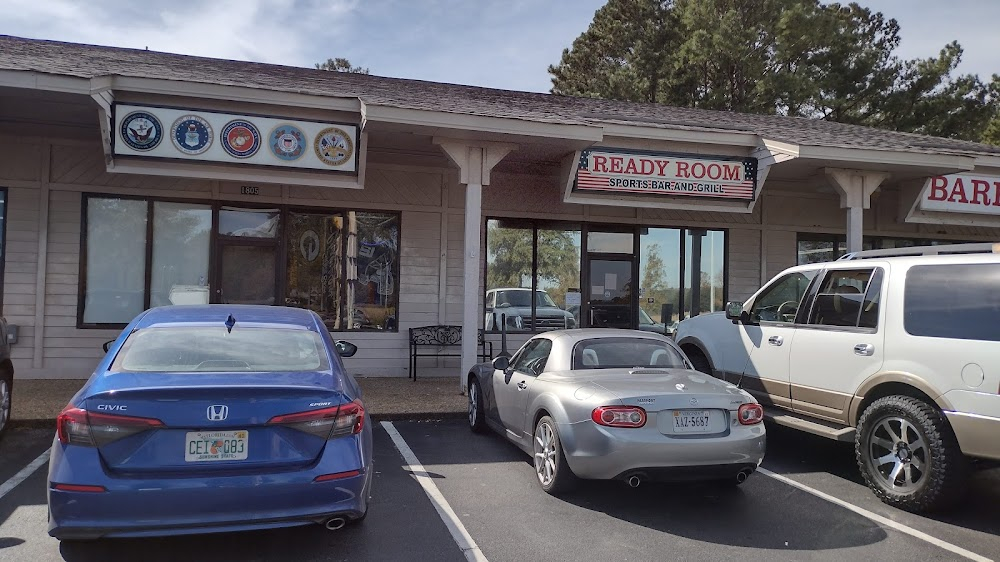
(36, 403)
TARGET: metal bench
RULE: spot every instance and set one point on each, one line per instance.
(439, 338)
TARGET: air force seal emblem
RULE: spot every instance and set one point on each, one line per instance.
(240, 138)
(333, 146)
(141, 131)
(192, 134)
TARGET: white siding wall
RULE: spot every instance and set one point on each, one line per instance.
(431, 203)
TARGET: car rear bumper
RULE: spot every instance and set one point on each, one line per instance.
(176, 505)
(598, 452)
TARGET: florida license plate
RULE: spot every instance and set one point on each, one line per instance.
(215, 446)
(691, 421)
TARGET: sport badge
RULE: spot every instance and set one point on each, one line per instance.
(333, 146)
(287, 142)
(240, 138)
(192, 134)
(141, 131)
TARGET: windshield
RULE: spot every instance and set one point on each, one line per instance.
(213, 349)
(617, 353)
(644, 318)
(521, 298)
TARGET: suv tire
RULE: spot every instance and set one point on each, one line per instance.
(908, 454)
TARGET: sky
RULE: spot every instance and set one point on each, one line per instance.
(494, 43)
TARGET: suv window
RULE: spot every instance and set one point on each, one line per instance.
(780, 301)
(953, 301)
(533, 358)
(848, 297)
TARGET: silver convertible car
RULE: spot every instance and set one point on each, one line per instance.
(616, 404)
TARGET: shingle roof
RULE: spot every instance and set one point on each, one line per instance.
(88, 61)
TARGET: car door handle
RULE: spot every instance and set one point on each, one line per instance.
(775, 340)
(865, 349)
(522, 385)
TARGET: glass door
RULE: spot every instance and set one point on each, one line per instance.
(610, 293)
(247, 256)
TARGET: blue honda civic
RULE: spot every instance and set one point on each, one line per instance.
(213, 418)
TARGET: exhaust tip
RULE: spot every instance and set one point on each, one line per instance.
(742, 476)
(634, 481)
(335, 523)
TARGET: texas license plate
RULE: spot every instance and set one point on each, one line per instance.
(215, 446)
(691, 421)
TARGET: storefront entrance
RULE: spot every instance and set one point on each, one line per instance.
(609, 295)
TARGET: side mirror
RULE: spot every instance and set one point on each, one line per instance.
(107, 345)
(501, 363)
(345, 348)
(734, 310)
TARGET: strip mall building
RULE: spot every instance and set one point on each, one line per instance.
(131, 179)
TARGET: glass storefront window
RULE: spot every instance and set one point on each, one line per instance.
(372, 270)
(509, 258)
(558, 277)
(3, 233)
(609, 242)
(314, 251)
(815, 248)
(181, 240)
(116, 260)
(247, 274)
(250, 223)
(660, 277)
(705, 287)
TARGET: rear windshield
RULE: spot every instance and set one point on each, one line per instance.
(611, 353)
(214, 350)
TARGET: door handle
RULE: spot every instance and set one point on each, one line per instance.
(864, 349)
(522, 385)
(776, 340)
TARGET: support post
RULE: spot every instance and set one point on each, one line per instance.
(855, 188)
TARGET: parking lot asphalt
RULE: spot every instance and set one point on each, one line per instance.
(490, 486)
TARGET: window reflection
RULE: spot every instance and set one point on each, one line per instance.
(372, 270)
(659, 272)
(704, 290)
(508, 275)
(250, 223)
(181, 238)
(314, 250)
(116, 260)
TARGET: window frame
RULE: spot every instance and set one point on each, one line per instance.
(280, 243)
(877, 273)
(5, 194)
(807, 296)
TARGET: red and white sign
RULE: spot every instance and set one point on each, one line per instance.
(666, 174)
(962, 193)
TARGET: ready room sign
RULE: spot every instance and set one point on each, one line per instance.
(647, 173)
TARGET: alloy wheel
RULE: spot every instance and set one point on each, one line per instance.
(473, 404)
(899, 455)
(4, 404)
(545, 454)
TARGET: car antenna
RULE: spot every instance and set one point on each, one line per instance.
(230, 322)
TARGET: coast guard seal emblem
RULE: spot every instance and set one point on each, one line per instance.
(333, 146)
(141, 131)
(240, 138)
(192, 134)
(287, 142)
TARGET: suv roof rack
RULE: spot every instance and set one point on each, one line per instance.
(942, 249)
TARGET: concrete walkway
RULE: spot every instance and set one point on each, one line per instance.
(36, 403)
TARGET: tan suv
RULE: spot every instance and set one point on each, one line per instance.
(895, 350)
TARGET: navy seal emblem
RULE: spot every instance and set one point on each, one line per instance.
(333, 146)
(287, 142)
(192, 134)
(240, 138)
(141, 131)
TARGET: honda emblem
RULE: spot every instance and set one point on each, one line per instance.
(218, 412)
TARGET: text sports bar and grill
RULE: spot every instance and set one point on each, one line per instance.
(620, 171)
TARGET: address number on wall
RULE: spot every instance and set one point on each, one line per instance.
(249, 190)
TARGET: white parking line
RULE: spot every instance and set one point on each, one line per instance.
(24, 473)
(884, 521)
(451, 520)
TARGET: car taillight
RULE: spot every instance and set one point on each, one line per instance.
(619, 416)
(346, 419)
(750, 414)
(76, 426)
